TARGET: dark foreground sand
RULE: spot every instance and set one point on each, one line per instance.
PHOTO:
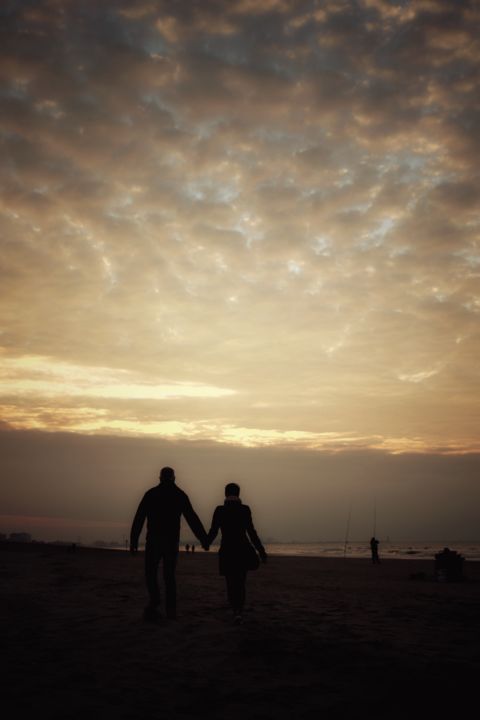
(329, 636)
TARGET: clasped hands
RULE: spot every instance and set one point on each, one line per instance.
(205, 546)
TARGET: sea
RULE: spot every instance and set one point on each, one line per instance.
(359, 549)
(387, 549)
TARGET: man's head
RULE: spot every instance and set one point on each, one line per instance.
(232, 489)
(167, 475)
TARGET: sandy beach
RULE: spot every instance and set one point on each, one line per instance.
(320, 635)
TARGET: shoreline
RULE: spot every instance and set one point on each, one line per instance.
(425, 554)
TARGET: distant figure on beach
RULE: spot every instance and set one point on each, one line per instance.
(374, 548)
(237, 555)
(162, 506)
(187, 548)
(193, 548)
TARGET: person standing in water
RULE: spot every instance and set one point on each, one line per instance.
(239, 546)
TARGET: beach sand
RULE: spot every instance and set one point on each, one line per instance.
(320, 635)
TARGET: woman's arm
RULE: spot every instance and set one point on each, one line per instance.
(252, 534)
(213, 532)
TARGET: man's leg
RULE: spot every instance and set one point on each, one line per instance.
(169, 566)
(152, 559)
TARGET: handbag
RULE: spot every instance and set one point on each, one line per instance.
(252, 561)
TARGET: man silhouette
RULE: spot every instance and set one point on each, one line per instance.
(162, 506)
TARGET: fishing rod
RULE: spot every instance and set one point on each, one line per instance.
(347, 531)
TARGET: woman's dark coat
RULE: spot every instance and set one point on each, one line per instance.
(236, 554)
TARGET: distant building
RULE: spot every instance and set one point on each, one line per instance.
(20, 537)
(100, 544)
(107, 544)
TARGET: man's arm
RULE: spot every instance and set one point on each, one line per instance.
(195, 523)
(137, 525)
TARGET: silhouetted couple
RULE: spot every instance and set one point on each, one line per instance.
(162, 506)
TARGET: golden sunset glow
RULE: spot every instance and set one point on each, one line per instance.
(254, 224)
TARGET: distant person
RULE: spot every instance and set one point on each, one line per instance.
(193, 548)
(162, 506)
(374, 548)
(236, 554)
(187, 548)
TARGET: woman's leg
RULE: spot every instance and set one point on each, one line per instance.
(236, 590)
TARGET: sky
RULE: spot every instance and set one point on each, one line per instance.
(241, 234)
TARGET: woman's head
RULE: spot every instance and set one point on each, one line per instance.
(232, 489)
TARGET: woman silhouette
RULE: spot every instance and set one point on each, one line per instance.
(238, 547)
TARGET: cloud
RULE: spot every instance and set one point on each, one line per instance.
(43, 377)
(91, 486)
(275, 199)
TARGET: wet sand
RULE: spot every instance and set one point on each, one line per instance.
(321, 635)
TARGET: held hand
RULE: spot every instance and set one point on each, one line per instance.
(206, 547)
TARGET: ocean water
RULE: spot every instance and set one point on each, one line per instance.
(387, 549)
(358, 549)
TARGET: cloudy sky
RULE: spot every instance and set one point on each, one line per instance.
(252, 224)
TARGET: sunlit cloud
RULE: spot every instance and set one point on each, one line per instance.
(253, 222)
(104, 422)
(418, 377)
(39, 376)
